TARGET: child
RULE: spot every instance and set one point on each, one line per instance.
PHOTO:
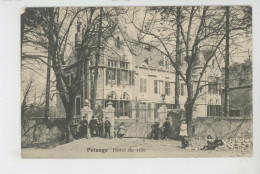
(121, 130)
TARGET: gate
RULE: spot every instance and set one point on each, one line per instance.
(140, 125)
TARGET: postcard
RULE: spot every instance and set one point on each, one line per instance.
(136, 82)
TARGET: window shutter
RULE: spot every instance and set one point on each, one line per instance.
(165, 88)
(141, 85)
(130, 78)
(118, 77)
(130, 109)
(133, 78)
(137, 111)
(107, 76)
(155, 86)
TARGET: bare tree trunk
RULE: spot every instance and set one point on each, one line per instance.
(189, 102)
(226, 109)
(177, 85)
(69, 116)
(94, 90)
(88, 83)
(47, 95)
(188, 109)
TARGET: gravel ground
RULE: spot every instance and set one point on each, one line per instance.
(131, 147)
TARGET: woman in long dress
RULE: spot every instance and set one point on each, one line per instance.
(184, 134)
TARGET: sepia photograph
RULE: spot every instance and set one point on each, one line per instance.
(136, 82)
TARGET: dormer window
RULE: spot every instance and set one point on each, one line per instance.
(124, 65)
(118, 42)
(213, 63)
(161, 63)
(166, 64)
(112, 63)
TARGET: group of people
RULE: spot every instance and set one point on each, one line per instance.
(166, 130)
(96, 127)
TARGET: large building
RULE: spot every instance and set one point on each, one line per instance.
(136, 82)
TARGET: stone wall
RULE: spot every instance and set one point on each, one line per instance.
(36, 132)
(231, 127)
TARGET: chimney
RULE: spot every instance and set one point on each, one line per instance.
(78, 37)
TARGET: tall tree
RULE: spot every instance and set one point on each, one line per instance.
(53, 35)
(226, 109)
(201, 29)
(94, 91)
(178, 54)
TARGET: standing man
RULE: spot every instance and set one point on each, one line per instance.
(166, 128)
(84, 127)
(107, 128)
(100, 127)
(92, 126)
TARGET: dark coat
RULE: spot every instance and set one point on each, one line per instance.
(107, 124)
(166, 125)
(84, 123)
(155, 127)
(100, 125)
(93, 124)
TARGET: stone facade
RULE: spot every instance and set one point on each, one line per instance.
(136, 83)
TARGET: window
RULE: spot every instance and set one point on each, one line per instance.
(155, 87)
(142, 85)
(170, 106)
(218, 110)
(182, 89)
(131, 77)
(166, 64)
(124, 76)
(201, 89)
(158, 87)
(118, 42)
(214, 110)
(167, 88)
(219, 88)
(124, 65)
(112, 63)
(142, 112)
(68, 79)
(234, 113)
(77, 105)
(111, 74)
(124, 108)
(172, 88)
(161, 63)
(213, 88)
